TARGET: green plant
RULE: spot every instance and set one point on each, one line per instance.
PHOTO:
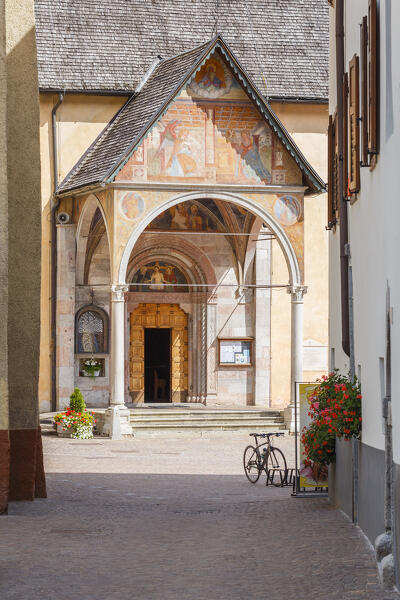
(91, 366)
(77, 401)
(335, 411)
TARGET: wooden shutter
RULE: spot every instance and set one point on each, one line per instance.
(331, 173)
(345, 91)
(354, 102)
(364, 90)
(373, 79)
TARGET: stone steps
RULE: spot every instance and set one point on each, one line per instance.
(153, 420)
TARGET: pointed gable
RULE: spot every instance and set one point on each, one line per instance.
(200, 119)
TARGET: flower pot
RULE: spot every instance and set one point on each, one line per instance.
(85, 432)
(63, 431)
(91, 374)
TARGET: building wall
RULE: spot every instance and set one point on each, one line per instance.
(79, 124)
(80, 119)
(20, 441)
(374, 242)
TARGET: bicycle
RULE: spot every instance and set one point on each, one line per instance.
(270, 459)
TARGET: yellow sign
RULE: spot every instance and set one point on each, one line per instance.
(312, 475)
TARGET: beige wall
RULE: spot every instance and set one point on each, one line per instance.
(24, 218)
(82, 117)
(307, 124)
(3, 227)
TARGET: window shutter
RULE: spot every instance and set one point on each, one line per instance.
(345, 91)
(331, 173)
(354, 101)
(364, 90)
(372, 76)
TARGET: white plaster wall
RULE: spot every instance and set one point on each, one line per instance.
(375, 243)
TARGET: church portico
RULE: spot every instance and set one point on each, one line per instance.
(177, 270)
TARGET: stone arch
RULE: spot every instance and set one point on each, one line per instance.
(92, 203)
(281, 237)
(198, 270)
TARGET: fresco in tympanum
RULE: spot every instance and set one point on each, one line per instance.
(159, 276)
(212, 133)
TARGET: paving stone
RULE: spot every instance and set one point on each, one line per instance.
(176, 519)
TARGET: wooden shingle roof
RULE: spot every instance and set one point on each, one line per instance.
(108, 45)
(116, 143)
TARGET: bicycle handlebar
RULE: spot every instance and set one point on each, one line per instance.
(267, 435)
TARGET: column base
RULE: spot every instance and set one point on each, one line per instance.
(117, 422)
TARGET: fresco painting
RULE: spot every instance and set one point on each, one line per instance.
(159, 276)
(189, 216)
(212, 133)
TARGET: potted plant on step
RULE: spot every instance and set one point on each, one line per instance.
(91, 367)
(76, 422)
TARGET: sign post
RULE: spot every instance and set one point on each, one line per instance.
(311, 479)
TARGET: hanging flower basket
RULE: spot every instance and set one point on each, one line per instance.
(91, 367)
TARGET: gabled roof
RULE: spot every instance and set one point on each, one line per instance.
(120, 138)
(108, 45)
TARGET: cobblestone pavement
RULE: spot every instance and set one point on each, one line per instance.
(175, 519)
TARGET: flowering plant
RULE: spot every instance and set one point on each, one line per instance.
(91, 366)
(335, 411)
(80, 424)
(76, 418)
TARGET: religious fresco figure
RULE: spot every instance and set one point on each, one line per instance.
(179, 216)
(176, 150)
(210, 78)
(195, 220)
(161, 275)
(157, 278)
(250, 153)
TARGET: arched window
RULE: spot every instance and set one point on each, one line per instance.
(91, 330)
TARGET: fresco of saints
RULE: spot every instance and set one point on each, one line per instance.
(195, 220)
(210, 78)
(179, 217)
(170, 277)
(177, 149)
(157, 278)
(249, 152)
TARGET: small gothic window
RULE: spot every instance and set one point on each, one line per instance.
(91, 331)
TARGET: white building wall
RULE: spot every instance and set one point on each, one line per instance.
(374, 239)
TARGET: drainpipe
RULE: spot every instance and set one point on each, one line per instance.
(344, 262)
(53, 240)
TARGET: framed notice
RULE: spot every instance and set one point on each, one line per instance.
(235, 352)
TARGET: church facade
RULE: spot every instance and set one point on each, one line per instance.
(188, 232)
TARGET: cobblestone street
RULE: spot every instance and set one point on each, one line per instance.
(175, 518)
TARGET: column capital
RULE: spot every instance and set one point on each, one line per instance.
(297, 292)
(118, 291)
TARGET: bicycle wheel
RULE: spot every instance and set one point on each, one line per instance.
(252, 464)
(276, 463)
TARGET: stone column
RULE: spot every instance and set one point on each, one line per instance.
(212, 350)
(117, 417)
(296, 375)
(262, 323)
(65, 310)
